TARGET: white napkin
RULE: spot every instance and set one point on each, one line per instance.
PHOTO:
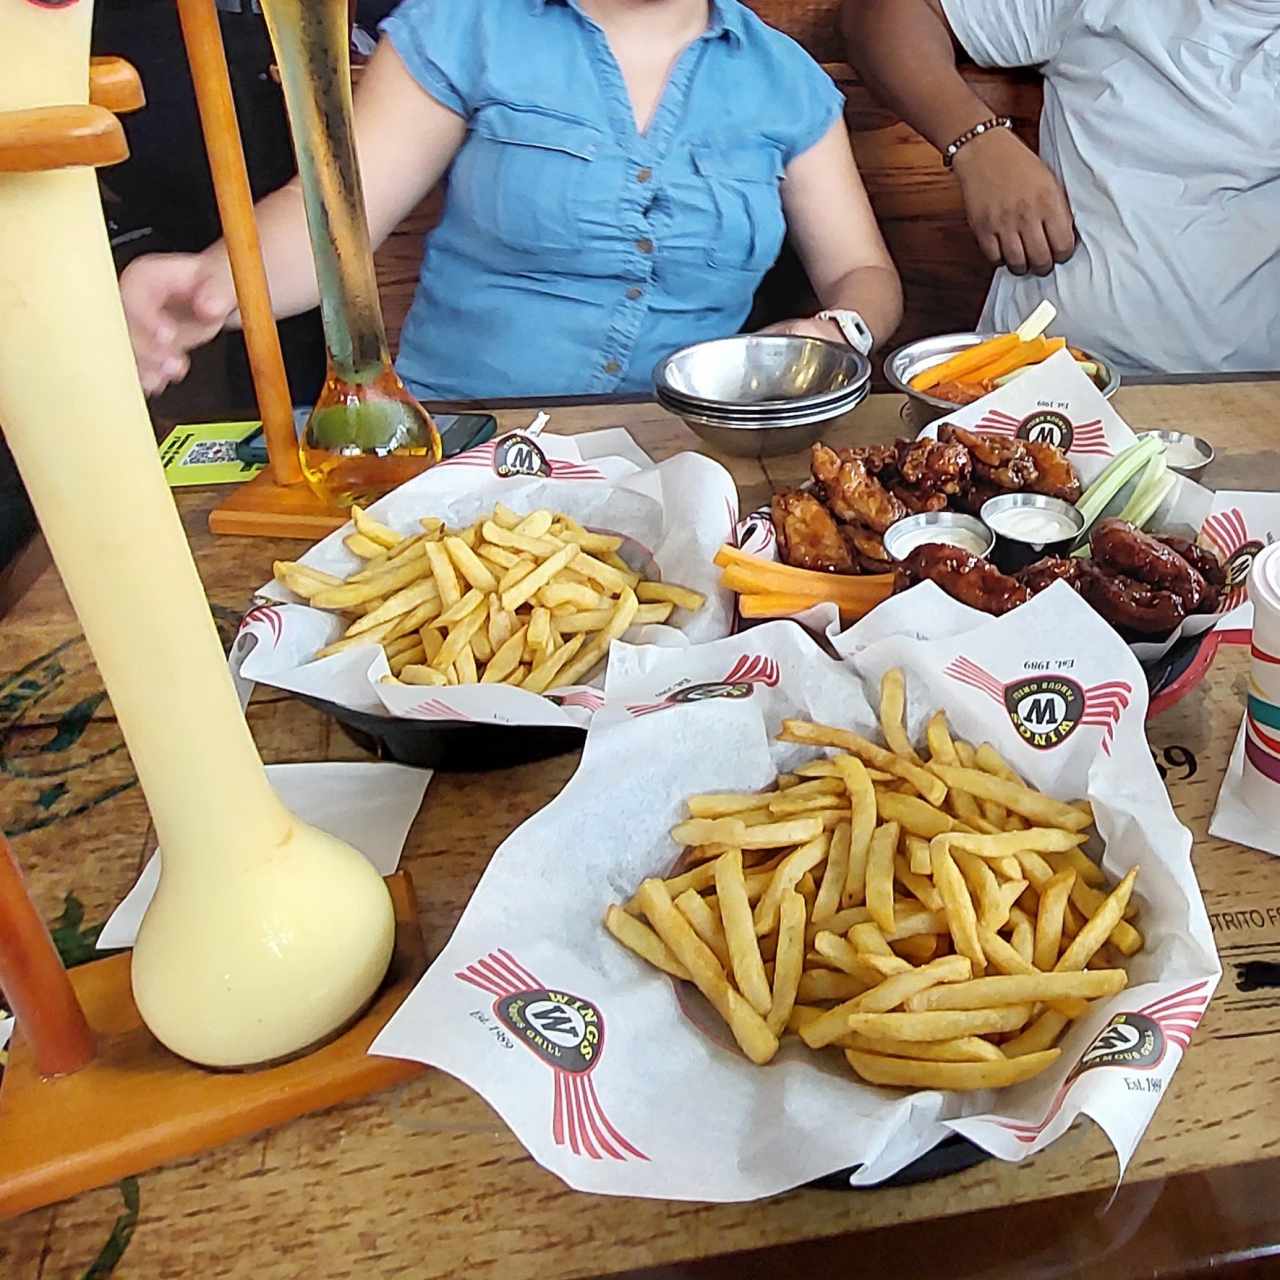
(370, 806)
(1233, 819)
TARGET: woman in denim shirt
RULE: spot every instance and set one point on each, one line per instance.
(621, 174)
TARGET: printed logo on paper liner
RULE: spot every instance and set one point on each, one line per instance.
(516, 454)
(269, 616)
(1135, 1041)
(1046, 426)
(566, 1033)
(1046, 710)
(756, 534)
(53, 4)
(1228, 535)
(749, 671)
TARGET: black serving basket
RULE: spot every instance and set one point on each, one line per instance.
(452, 746)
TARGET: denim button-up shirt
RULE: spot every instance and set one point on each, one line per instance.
(574, 251)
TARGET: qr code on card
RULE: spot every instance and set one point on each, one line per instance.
(210, 452)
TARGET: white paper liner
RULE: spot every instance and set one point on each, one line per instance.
(669, 1107)
(674, 517)
(370, 806)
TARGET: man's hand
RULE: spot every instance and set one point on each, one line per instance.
(1016, 207)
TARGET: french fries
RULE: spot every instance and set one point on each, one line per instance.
(866, 903)
(540, 578)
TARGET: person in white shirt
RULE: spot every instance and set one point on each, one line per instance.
(1151, 218)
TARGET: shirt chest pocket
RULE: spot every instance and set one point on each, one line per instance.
(742, 186)
(523, 175)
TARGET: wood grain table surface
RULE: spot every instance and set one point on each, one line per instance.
(425, 1181)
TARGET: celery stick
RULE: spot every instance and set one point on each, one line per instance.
(1093, 502)
(1149, 495)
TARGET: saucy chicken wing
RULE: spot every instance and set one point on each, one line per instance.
(808, 536)
(1129, 605)
(965, 577)
(1055, 476)
(1000, 460)
(852, 493)
(1044, 573)
(1123, 547)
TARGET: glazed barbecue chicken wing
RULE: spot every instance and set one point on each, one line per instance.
(1207, 564)
(852, 493)
(965, 577)
(808, 537)
(999, 460)
(1123, 548)
(1131, 606)
(1055, 476)
(1044, 573)
(930, 473)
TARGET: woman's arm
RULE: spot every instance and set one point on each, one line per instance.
(834, 229)
(905, 51)
(405, 140)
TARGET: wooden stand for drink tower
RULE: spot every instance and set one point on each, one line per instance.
(89, 1095)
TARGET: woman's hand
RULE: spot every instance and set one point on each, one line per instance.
(808, 327)
(173, 302)
(1016, 206)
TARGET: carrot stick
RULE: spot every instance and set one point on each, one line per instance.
(964, 362)
(767, 576)
(1032, 352)
(773, 604)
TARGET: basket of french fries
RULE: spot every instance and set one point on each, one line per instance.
(795, 915)
(470, 599)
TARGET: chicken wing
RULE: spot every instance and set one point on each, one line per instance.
(1000, 460)
(1123, 547)
(965, 577)
(1129, 605)
(854, 495)
(1055, 476)
(1207, 564)
(808, 535)
(1044, 573)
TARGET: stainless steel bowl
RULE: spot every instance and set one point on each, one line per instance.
(1199, 452)
(946, 527)
(1016, 550)
(757, 373)
(916, 357)
(764, 436)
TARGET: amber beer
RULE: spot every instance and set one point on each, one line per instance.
(367, 434)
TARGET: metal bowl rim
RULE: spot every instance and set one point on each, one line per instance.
(813, 417)
(861, 364)
(926, 519)
(1169, 435)
(899, 385)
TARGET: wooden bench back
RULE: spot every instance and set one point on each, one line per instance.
(918, 203)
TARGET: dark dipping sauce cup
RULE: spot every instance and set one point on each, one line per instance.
(1028, 527)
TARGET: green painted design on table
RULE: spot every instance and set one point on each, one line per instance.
(110, 1254)
(76, 944)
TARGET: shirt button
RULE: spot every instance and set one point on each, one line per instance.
(633, 293)
(645, 245)
(643, 175)
(611, 367)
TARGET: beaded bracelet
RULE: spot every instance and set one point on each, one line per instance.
(950, 150)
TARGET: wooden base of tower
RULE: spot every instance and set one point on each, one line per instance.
(137, 1106)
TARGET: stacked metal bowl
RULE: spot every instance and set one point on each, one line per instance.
(762, 394)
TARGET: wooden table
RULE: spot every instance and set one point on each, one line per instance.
(426, 1181)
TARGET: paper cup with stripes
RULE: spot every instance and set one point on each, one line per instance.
(1260, 783)
(1264, 592)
